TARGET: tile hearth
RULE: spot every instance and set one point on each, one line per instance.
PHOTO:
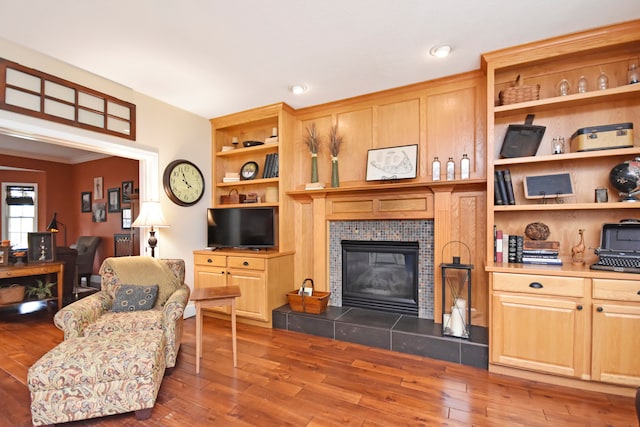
(396, 332)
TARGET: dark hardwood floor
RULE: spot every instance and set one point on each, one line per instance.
(287, 378)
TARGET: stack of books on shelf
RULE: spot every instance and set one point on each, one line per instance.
(544, 252)
(513, 248)
(231, 177)
(270, 169)
(507, 247)
(503, 188)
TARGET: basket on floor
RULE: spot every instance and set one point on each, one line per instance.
(11, 294)
(519, 92)
(315, 303)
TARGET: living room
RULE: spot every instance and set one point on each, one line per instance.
(446, 117)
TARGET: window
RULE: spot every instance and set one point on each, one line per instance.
(19, 213)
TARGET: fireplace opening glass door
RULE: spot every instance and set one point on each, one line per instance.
(380, 275)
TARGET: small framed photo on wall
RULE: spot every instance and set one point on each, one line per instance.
(126, 218)
(127, 190)
(85, 201)
(97, 188)
(99, 212)
(113, 200)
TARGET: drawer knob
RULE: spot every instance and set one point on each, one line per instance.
(246, 263)
(209, 260)
(536, 285)
(579, 307)
(599, 309)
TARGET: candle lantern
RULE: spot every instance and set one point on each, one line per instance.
(456, 295)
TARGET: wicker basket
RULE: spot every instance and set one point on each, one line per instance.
(315, 303)
(11, 294)
(519, 92)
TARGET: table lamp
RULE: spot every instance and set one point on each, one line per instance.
(54, 227)
(151, 216)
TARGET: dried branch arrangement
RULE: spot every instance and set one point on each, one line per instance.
(312, 140)
(335, 141)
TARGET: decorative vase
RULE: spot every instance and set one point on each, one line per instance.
(335, 179)
(314, 167)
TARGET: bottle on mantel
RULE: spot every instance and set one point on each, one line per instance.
(465, 165)
(435, 169)
(451, 169)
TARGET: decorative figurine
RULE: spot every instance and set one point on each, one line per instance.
(577, 252)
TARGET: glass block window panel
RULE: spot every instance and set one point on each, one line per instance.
(59, 109)
(38, 94)
(59, 92)
(23, 80)
(117, 110)
(90, 118)
(90, 102)
(22, 99)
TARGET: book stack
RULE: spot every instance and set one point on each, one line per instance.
(545, 252)
(508, 247)
(503, 188)
(231, 177)
(271, 167)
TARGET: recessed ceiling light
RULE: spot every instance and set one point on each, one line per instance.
(440, 51)
(298, 89)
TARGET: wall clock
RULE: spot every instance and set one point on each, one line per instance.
(183, 182)
(249, 170)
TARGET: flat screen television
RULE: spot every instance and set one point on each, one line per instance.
(247, 228)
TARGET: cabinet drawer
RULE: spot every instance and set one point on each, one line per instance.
(246, 262)
(618, 290)
(543, 285)
(210, 260)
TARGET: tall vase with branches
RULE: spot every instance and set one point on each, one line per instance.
(313, 143)
(334, 147)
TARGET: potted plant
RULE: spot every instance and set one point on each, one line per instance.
(42, 291)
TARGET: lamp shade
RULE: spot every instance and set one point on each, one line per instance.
(53, 225)
(150, 216)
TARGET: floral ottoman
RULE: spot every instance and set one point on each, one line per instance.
(88, 377)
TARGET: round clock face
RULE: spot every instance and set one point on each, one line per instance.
(183, 182)
(249, 170)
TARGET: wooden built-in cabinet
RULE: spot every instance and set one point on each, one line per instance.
(255, 125)
(567, 319)
(264, 278)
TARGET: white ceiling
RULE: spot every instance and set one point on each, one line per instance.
(215, 57)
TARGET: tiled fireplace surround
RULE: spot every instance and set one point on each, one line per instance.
(408, 334)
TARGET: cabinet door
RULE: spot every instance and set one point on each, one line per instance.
(537, 333)
(252, 303)
(209, 277)
(616, 343)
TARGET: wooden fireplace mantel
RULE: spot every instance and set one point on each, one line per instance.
(380, 201)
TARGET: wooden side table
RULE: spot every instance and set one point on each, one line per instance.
(214, 297)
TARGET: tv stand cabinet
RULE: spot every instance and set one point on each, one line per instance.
(264, 278)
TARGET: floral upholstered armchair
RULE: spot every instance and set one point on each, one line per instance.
(102, 313)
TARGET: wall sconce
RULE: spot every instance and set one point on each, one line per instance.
(456, 282)
(54, 227)
(151, 216)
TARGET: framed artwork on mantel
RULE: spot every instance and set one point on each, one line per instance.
(392, 163)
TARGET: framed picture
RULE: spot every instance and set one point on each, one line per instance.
(5, 251)
(392, 163)
(97, 188)
(126, 218)
(99, 212)
(85, 201)
(113, 200)
(127, 190)
(42, 247)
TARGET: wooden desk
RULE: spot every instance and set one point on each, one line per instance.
(214, 297)
(36, 269)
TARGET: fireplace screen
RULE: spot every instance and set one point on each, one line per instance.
(380, 275)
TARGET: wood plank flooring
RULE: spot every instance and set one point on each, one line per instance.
(290, 379)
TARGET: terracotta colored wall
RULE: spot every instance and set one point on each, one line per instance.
(59, 187)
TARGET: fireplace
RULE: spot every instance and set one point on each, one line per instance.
(380, 275)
